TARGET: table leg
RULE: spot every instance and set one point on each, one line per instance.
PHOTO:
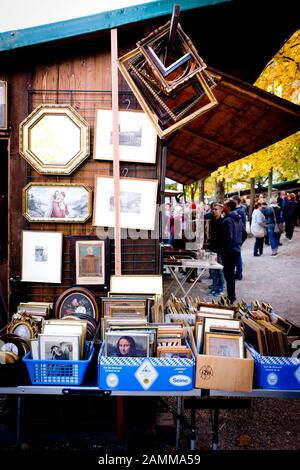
(193, 284)
(215, 438)
(178, 420)
(193, 424)
(18, 429)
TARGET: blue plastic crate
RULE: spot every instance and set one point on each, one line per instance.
(45, 372)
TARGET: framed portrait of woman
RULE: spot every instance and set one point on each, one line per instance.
(90, 261)
(57, 202)
(77, 301)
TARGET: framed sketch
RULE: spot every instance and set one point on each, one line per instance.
(224, 345)
(137, 137)
(90, 261)
(54, 139)
(41, 256)
(64, 347)
(57, 202)
(76, 300)
(127, 345)
(3, 105)
(137, 203)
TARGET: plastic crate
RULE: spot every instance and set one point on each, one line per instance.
(45, 372)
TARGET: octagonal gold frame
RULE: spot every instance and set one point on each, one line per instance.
(52, 149)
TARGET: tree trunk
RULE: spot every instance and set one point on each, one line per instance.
(201, 190)
(270, 181)
(219, 190)
(252, 197)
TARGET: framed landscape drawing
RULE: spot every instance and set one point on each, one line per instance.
(90, 261)
(137, 203)
(42, 256)
(137, 137)
(3, 105)
(57, 202)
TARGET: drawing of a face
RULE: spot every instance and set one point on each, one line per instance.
(124, 346)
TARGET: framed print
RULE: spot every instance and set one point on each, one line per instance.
(137, 203)
(136, 284)
(108, 302)
(57, 202)
(24, 326)
(64, 347)
(76, 300)
(224, 345)
(117, 311)
(54, 139)
(42, 256)
(137, 137)
(126, 345)
(90, 261)
(3, 105)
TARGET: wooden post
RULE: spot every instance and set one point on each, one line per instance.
(252, 197)
(116, 173)
(115, 140)
(270, 182)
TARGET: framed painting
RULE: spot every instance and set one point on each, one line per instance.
(41, 256)
(76, 300)
(224, 345)
(3, 105)
(137, 137)
(54, 139)
(65, 347)
(137, 203)
(137, 284)
(127, 344)
(90, 261)
(57, 202)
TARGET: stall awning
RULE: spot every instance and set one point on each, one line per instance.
(246, 120)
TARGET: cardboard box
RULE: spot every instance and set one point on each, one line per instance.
(145, 373)
(276, 372)
(230, 374)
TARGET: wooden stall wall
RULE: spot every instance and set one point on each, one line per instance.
(79, 75)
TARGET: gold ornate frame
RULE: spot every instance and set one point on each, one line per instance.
(54, 146)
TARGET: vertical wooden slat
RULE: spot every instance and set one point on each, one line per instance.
(115, 139)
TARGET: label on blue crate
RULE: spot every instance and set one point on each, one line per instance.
(180, 380)
(146, 374)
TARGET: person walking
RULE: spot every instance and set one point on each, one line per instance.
(272, 215)
(242, 213)
(215, 243)
(289, 214)
(233, 236)
(258, 225)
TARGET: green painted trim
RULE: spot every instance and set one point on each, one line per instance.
(101, 21)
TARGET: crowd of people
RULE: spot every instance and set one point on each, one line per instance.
(227, 232)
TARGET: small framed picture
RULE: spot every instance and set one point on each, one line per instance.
(108, 302)
(76, 300)
(59, 348)
(118, 311)
(174, 351)
(136, 284)
(127, 345)
(137, 137)
(90, 261)
(42, 256)
(3, 105)
(224, 345)
(137, 203)
(57, 202)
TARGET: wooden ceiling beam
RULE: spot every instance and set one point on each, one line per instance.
(190, 159)
(211, 141)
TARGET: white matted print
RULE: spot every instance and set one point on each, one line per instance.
(137, 203)
(137, 137)
(41, 256)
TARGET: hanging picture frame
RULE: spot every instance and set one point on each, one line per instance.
(137, 203)
(57, 202)
(41, 256)
(3, 105)
(90, 261)
(137, 137)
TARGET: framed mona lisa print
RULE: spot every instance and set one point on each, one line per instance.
(90, 261)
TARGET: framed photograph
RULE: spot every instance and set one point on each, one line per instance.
(224, 345)
(65, 347)
(174, 351)
(57, 202)
(137, 203)
(122, 345)
(136, 284)
(90, 261)
(76, 300)
(117, 311)
(137, 137)
(54, 139)
(3, 105)
(42, 256)
(107, 303)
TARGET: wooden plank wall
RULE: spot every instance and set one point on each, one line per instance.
(76, 74)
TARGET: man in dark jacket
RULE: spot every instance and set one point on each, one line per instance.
(234, 235)
(242, 213)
